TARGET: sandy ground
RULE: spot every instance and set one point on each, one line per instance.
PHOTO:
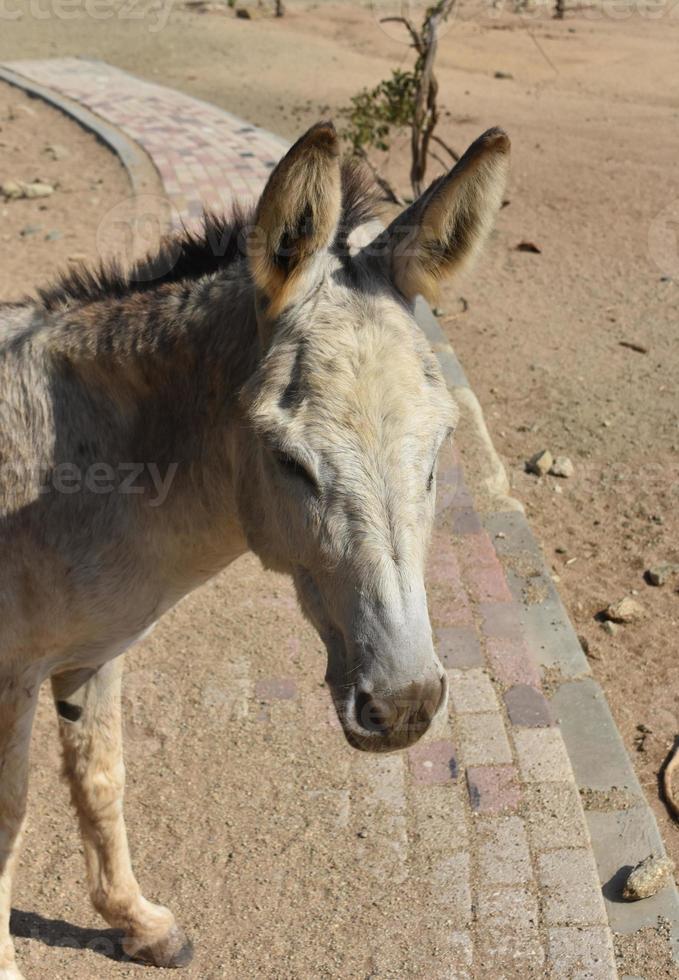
(592, 107)
(42, 235)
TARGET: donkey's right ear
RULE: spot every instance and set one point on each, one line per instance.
(297, 216)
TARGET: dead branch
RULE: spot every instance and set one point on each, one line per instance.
(437, 139)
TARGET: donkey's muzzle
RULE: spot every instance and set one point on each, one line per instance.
(384, 722)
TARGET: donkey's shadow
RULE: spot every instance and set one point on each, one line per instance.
(56, 932)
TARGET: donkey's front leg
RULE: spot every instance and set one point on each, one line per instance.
(91, 735)
(18, 697)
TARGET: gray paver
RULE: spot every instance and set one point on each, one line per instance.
(571, 887)
(634, 834)
(581, 954)
(503, 855)
(597, 754)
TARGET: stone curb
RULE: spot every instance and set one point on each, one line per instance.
(621, 833)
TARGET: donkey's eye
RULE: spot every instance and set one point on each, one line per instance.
(295, 469)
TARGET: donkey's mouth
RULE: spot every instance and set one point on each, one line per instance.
(373, 724)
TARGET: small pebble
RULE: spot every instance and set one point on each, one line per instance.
(540, 463)
(363, 833)
(563, 467)
(625, 610)
(609, 627)
(659, 574)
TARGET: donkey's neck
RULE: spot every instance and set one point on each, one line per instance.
(159, 372)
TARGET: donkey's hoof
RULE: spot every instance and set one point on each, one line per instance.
(172, 951)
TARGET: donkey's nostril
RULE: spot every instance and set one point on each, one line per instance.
(374, 714)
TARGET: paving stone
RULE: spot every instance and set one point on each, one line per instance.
(508, 935)
(571, 887)
(501, 620)
(503, 855)
(477, 549)
(549, 634)
(433, 762)
(484, 740)
(458, 646)
(471, 690)
(596, 751)
(493, 789)
(449, 885)
(528, 707)
(439, 816)
(276, 689)
(581, 954)
(487, 583)
(466, 521)
(542, 755)
(555, 816)
(378, 801)
(511, 662)
(443, 566)
(620, 839)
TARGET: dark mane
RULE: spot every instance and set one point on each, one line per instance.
(189, 255)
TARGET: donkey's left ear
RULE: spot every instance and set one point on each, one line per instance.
(297, 216)
(447, 225)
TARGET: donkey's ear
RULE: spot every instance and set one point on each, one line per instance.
(447, 225)
(297, 215)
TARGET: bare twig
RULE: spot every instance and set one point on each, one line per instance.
(437, 139)
(409, 26)
(389, 193)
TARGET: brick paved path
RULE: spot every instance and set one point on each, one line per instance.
(482, 824)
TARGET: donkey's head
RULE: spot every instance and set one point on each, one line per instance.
(346, 415)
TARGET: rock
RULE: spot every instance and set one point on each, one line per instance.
(563, 467)
(608, 627)
(648, 878)
(659, 574)
(540, 463)
(53, 236)
(363, 833)
(37, 189)
(625, 610)
(503, 74)
(11, 189)
(15, 189)
(529, 247)
(248, 13)
(56, 151)
(29, 230)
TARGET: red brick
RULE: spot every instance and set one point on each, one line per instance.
(433, 762)
(276, 689)
(487, 583)
(493, 789)
(512, 662)
(458, 646)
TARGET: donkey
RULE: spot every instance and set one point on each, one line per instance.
(272, 367)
